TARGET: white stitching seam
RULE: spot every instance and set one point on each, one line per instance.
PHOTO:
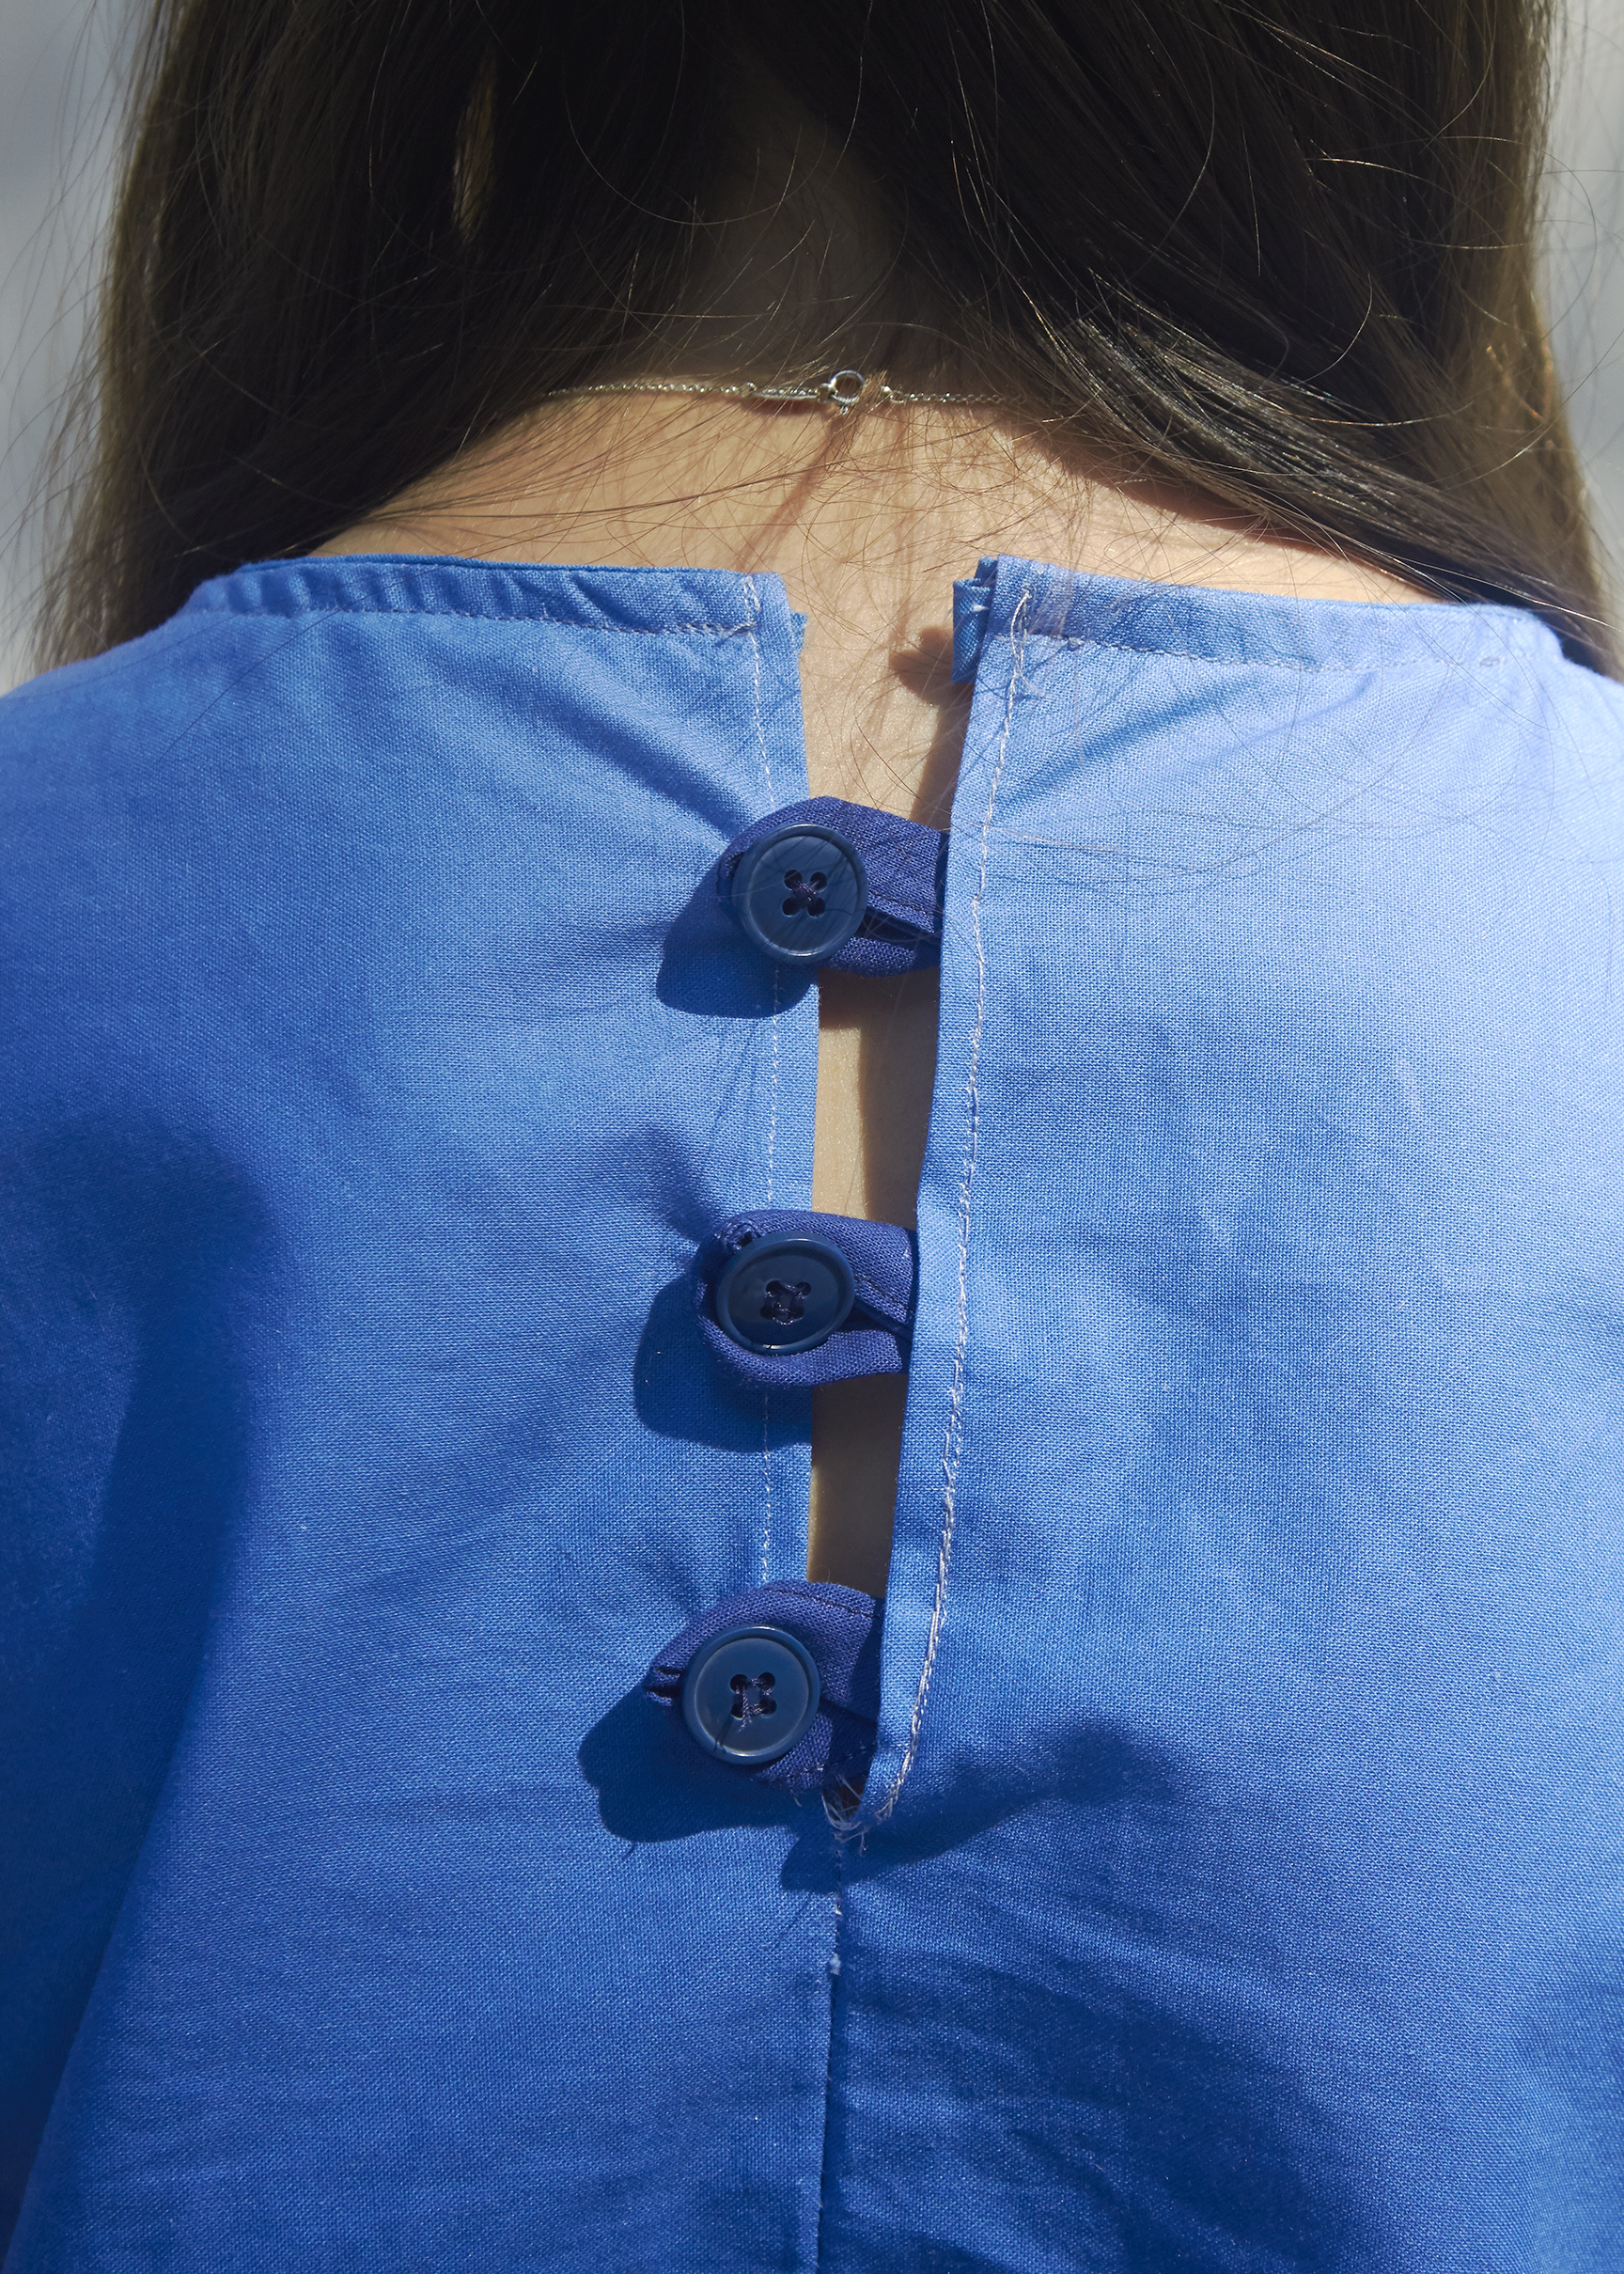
(1276, 663)
(773, 1113)
(493, 615)
(953, 1444)
(767, 1394)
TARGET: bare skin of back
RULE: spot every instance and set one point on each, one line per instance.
(868, 520)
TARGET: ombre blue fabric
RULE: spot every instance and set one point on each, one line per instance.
(1237, 1886)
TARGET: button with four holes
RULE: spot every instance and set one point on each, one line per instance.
(749, 1694)
(779, 1295)
(799, 894)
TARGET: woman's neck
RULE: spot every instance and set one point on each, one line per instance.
(867, 519)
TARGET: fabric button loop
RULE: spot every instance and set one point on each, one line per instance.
(834, 1628)
(797, 1295)
(750, 1694)
(830, 884)
(799, 894)
(784, 1295)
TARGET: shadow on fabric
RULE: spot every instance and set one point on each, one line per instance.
(710, 970)
(124, 1255)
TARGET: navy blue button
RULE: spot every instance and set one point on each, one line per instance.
(799, 894)
(749, 1694)
(784, 1295)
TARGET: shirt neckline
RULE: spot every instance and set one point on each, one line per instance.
(1008, 599)
(1022, 600)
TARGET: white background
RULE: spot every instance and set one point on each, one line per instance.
(60, 77)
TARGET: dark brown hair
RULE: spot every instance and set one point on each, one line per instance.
(1278, 251)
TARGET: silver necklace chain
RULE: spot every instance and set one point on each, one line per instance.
(842, 391)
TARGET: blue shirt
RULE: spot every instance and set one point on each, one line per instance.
(1238, 1883)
